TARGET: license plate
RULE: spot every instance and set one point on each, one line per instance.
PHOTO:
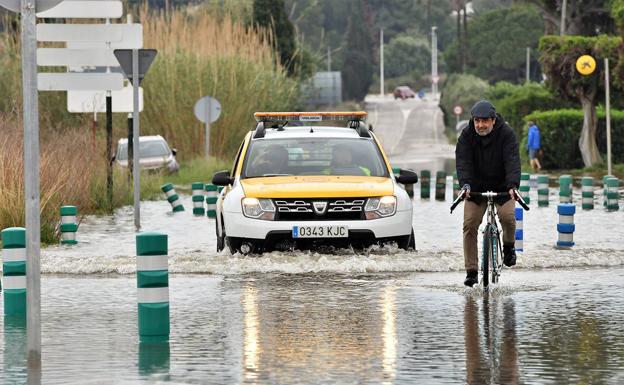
(320, 232)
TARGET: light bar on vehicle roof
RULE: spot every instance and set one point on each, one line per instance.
(310, 116)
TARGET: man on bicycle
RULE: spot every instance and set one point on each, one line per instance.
(487, 159)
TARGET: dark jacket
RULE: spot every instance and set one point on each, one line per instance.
(488, 163)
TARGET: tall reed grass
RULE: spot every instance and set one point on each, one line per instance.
(199, 55)
(201, 52)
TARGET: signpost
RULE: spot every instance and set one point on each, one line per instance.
(135, 63)
(32, 196)
(457, 110)
(207, 110)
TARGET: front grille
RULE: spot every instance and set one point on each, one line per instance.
(304, 209)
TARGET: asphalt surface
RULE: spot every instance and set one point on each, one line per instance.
(411, 132)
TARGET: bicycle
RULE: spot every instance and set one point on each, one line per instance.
(492, 246)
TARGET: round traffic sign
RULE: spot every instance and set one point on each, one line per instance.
(207, 109)
(435, 79)
(586, 65)
(16, 6)
(457, 110)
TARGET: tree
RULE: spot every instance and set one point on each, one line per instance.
(498, 43)
(405, 55)
(271, 14)
(583, 17)
(357, 74)
(558, 56)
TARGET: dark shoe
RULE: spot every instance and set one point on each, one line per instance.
(509, 256)
(472, 278)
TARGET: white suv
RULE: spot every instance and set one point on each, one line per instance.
(294, 186)
(154, 154)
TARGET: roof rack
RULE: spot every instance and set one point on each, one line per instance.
(353, 117)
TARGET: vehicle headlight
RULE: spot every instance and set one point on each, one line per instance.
(258, 208)
(380, 207)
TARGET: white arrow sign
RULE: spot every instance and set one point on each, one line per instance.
(84, 10)
(95, 101)
(42, 5)
(91, 33)
(76, 57)
(65, 81)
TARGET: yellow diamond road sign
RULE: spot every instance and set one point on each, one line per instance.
(586, 65)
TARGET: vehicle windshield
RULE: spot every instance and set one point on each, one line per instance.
(149, 149)
(314, 156)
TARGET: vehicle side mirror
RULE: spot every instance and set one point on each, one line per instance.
(407, 177)
(222, 178)
(174, 151)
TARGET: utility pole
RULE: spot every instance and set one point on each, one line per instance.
(564, 7)
(434, 62)
(381, 61)
(328, 59)
(528, 64)
(31, 190)
(608, 112)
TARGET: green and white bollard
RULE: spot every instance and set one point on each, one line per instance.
(565, 189)
(525, 188)
(587, 193)
(613, 194)
(425, 184)
(14, 270)
(198, 198)
(172, 197)
(542, 190)
(153, 286)
(211, 200)
(69, 225)
(456, 186)
(440, 190)
(604, 190)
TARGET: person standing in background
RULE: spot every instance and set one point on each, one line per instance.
(533, 145)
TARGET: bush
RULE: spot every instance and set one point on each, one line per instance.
(463, 90)
(514, 102)
(560, 131)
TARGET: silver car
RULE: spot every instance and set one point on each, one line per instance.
(155, 154)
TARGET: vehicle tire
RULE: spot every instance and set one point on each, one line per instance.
(236, 245)
(486, 255)
(407, 242)
(220, 240)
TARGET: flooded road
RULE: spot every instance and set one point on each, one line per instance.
(379, 316)
(374, 316)
(553, 326)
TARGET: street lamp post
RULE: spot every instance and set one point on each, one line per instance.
(381, 61)
(434, 62)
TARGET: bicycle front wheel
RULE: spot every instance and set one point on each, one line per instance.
(486, 255)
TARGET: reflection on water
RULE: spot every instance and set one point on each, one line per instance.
(403, 328)
(250, 332)
(154, 359)
(491, 352)
(14, 368)
(389, 333)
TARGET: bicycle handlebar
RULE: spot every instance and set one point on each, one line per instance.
(489, 194)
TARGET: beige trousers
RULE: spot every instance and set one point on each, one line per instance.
(473, 215)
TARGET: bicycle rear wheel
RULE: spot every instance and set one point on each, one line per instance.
(486, 255)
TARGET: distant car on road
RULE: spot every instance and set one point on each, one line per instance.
(404, 92)
(155, 154)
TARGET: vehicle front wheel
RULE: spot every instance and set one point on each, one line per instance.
(407, 242)
(242, 246)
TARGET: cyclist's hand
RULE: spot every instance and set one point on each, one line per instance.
(512, 194)
(466, 193)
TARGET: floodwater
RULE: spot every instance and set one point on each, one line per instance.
(380, 316)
